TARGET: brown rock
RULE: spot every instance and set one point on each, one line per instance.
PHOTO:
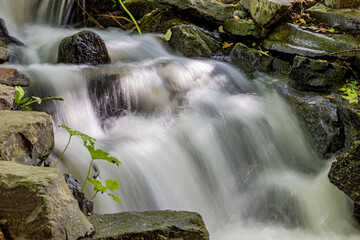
(7, 97)
(3, 55)
(25, 137)
(35, 203)
(12, 77)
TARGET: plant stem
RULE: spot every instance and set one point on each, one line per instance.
(92, 160)
(63, 151)
(131, 16)
(94, 195)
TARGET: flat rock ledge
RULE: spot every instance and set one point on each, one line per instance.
(150, 225)
(36, 203)
(25, 137)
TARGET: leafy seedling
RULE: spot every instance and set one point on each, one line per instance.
(351, 91)
(110, 185)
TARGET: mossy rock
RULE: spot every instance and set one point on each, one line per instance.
(244, 28)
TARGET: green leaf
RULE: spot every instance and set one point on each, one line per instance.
(37, 99)
(167, 35)
(331, 30)
(86, 138)
(19, 94)
(342, 89)
(97, 185)
(116, 198)
(100, 154)
(112, 184)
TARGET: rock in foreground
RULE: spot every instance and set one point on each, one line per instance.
(25, 137)
(150, 225)
(36, 203)
(85, 47)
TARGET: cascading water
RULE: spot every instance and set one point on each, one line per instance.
(192, 135)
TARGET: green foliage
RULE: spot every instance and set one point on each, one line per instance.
(22, 103)
(351, 91)
(96, 154)
(121, 2)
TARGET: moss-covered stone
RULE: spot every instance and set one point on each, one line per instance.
(291, 39)
(343, 3)
(36, 203)
(84, 47)
(151, 225)
(244, 28)
(346, 19)
(160, 21)
(25, 137)
(314, 75)
(193, 41)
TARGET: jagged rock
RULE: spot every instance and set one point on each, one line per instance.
(266, 12)
(193, 41)
(291, 39)
(250, 60)
(320, 117)
(343, 3)
(35, 203)
(86, 206)
(5, 37)
(160, 21)
(244, 28)
(346, 19)
(7, 97)
(85, 47)
(150, 225)
(314, 75)
(12, 77)
(3, 55)
(25, 137)
(210, 10)
(344, 172)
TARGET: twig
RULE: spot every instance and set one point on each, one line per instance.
(91, 17)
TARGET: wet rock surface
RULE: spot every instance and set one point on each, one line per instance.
(314, 75)
(25, 137)
(85, 205)
(150, 225)
(37, 204)
(7, 97)
(85, 47)
(242, 27)
(342, 3)
(12, 77)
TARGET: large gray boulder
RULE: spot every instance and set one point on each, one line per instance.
(84, 47)
(193, 41)
(25, 137)
(346, 19)
(150, 225)
(7, 97)
(314, 75)
(36, 203)
(12, 77)
(211, 10)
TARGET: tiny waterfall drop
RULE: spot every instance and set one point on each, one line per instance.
(193, 135)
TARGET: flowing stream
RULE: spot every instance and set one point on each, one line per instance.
(193, 135)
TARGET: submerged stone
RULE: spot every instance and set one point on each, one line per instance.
(314, 75)
(25, 137)
(291, 39)
(12, 77)
(7, 97)
(244, 28)
(35, 203)
(193, 41)
(150, 225)
(346, 19)
(85, 47)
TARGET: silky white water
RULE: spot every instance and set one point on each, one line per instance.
(193, 135)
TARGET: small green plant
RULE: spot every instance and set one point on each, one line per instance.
(22, 103)
(121, 2)
(96, 154)
(351, 91)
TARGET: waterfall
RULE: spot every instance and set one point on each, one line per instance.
(192, 135)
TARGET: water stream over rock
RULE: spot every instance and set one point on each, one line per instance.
(191, 134)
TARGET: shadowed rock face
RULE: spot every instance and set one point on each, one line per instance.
(36, 204)
(150, 225)
(85, 47)
(343, 3)
(25, 137)
(12, 77)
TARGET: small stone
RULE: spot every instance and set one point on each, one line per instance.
(12, 77)
(7, 97)
(25, 137)
(3, 55)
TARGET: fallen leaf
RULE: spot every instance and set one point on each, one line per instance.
(226, 45)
